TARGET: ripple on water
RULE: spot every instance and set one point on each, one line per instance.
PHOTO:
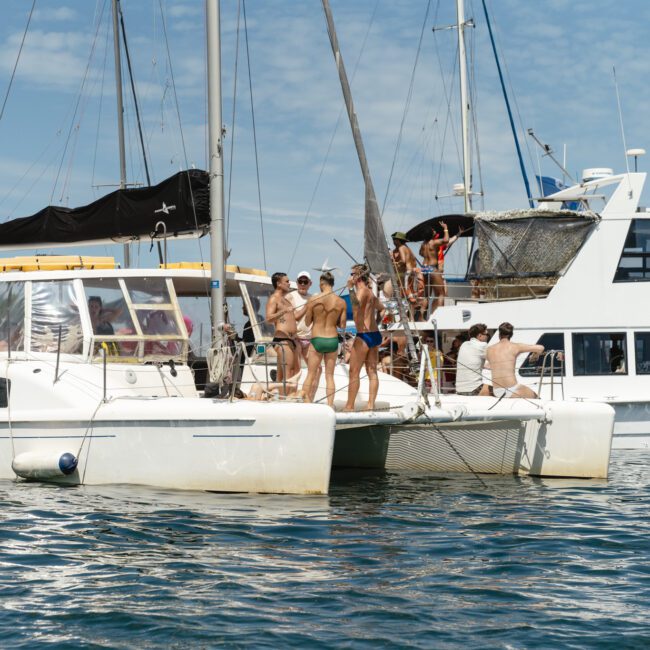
(396, 559)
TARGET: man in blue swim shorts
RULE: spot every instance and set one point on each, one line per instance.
(365, 351)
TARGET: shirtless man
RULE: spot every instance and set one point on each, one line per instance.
(430, 252)
(409, 275)
(501, 358)
(280, 312)
(325, 311)
(365, 349)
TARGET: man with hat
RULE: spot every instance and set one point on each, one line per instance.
(299, 299)
(409, 275)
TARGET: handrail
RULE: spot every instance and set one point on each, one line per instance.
(551, 355)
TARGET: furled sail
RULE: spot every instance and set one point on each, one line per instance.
(181, 202)
(375, 247)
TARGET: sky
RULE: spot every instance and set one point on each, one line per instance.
(58, 136)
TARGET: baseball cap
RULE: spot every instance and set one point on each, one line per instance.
(304, 274)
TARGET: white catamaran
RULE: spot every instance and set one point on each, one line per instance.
(95, 385)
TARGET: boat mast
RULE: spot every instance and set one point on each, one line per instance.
(464, 104)
(217, 275)
(120, 113)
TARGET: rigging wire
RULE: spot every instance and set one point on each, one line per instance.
(407, 105)
(20, 49)
(331, 142)
(135, 96)
(180, 128)
(532, 157)
(234, 115)
(99, 112)
(257, 164)
(77, 107)
(173, 80)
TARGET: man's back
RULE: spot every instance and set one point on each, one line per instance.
(326, 313)
(471, 358)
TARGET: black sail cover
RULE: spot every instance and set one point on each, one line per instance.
(181, 201)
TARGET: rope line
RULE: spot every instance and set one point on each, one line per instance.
(20, 49)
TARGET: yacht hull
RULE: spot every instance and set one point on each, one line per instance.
(573, 441)
(632, 425)
(191, 444)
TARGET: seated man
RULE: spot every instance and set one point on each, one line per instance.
(502, 357)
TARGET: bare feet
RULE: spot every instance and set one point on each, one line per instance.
(348, 409)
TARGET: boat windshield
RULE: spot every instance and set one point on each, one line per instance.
(136, 317)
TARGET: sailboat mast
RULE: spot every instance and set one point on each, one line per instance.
(215, 134)
(120, 113)
(464, 105)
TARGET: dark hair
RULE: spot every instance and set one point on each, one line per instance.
(475, 330)
(96, 299)
(276, 277)
(327, 278)
(506, 330)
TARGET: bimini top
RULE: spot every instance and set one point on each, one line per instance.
(181, 202)
(527, 243)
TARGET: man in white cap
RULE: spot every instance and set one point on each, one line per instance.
(299, 300)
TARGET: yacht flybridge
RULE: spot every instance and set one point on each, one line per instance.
(576, 281)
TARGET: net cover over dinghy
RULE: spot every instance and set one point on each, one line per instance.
(181, 202)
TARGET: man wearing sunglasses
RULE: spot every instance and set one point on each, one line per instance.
(299, 301)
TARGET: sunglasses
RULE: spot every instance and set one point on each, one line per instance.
(303, 281)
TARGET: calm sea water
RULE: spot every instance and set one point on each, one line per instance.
(392, 560)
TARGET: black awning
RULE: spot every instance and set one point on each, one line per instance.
(455, 223)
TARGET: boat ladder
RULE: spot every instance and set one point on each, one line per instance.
(552, 373)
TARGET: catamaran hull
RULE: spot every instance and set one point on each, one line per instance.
(632, 425)
(575, 441)
(189, 444)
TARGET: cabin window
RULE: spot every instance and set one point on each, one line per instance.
(12, 316)
(599, 353)
(532, 367)
(55, 318)
(634, 265)
(642, 352)
(5, 387)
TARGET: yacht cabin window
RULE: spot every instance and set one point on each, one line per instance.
(634, 265)
(599, 353)
(642, 352)
(533, 368)
(12, 316)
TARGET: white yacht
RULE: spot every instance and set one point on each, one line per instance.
(574, 281)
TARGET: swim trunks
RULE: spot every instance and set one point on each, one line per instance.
(284, 339)
(325, 344)
(371, 339)
(510, 390)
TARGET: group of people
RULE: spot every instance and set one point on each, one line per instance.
(422, 283)
(306, 327)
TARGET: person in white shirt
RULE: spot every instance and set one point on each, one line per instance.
(299, 300)
(470, 363)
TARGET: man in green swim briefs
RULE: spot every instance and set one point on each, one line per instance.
(325, 311)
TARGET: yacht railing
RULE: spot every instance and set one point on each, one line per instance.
(554, 372)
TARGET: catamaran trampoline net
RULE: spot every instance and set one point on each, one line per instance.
(527, 243)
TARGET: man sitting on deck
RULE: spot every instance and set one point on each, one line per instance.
(502, 357)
